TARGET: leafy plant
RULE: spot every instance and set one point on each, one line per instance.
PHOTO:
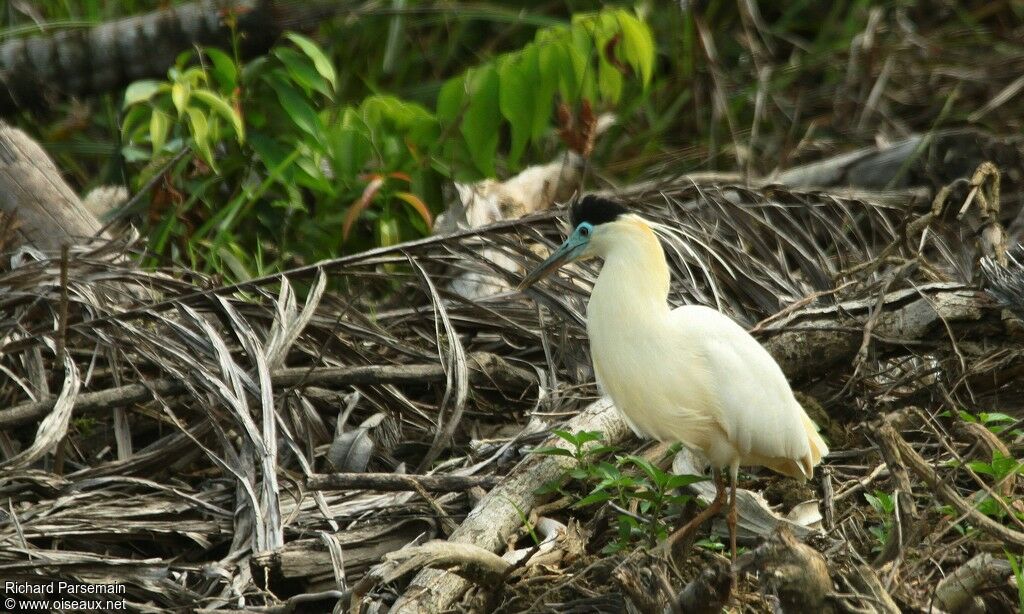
(885, 506)
(281, 158)
(999, 469)
(997, 422)
(643, 494)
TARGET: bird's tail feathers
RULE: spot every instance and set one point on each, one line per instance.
(817, 445)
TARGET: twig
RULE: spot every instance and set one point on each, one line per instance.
(393, 482)
(62, 320)
(944, 491)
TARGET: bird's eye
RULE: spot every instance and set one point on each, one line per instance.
(584, 231)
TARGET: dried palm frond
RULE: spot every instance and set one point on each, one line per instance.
(227, 403)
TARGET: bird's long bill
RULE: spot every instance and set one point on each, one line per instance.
(565, 253)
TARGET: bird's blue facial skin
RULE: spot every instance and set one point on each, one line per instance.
(570, 250)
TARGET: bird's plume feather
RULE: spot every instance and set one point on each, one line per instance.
(596, 210)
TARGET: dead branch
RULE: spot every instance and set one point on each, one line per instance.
(500, 513)
(398, 482)
(910, 529)
(948, 494)
(958, 588)
(468, 561)
(868, 589)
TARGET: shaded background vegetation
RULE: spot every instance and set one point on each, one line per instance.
(736, 86)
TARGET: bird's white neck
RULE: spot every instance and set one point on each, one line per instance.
(634, 281)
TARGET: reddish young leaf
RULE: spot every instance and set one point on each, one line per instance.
(417, 203)
(360, 205)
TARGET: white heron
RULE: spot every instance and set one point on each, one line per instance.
(690, 374)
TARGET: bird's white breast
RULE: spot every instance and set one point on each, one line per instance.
(691, 374)
(654, 374)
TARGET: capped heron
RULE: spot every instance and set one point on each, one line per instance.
(690, 374)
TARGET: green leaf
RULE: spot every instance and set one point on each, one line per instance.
(552, 451)
(179, 96)
(159, 126)
(350, 150)
(274, 155)
(201, 135)
(222, 108)
(578, 474)
(141, 91)
(682, 481)
(566, 435)
(483, 118)
(545, 82)
(587, 436)
(600, 450)
(450, 99)
(598, 496)
(609, 80)
(298, 108)
(874, 501)
(224, 68)
(554, 66)
(302, 70)
(516, 102)
(584, 46)
(320, 61)
(637, 45)
(981, 467)
(645, 465)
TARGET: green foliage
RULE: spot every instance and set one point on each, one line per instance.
(286, 161)
(1018, 576)
(997, 422)
(643, 495)
(884, 505)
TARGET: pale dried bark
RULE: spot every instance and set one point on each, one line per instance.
(958, 589)
(46, 211)
(499, 513)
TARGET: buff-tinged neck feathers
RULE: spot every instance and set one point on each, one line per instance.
(635, 276)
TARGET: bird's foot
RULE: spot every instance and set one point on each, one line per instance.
(687, 531)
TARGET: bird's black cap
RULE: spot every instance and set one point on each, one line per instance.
(596, 210)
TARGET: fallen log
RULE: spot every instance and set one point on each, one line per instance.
(934, 159)
(811, 341)
(499, 514)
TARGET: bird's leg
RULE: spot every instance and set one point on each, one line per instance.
(730, 519)
(713, 508)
